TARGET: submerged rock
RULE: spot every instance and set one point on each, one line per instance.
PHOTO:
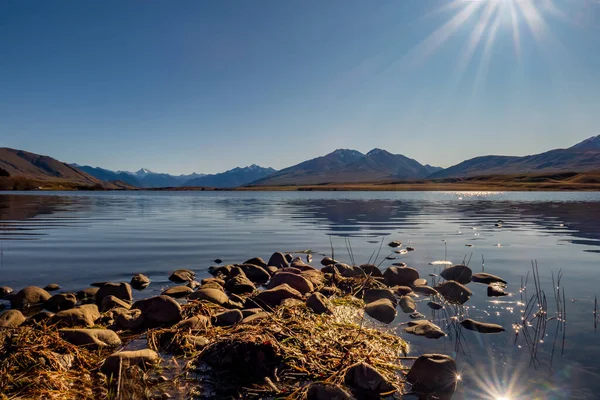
(382, 310)
(59, 302)
(407, 304)
(52, 287)
(433, 376)
(424, 328)
(120, 290)
(325, 391)
(278, 260)
(365, 378)
(178, 292)
(159, 310)
(483, 277)
(400, 276)
(481, 327)
(85, 315)
(120, 362)
(30, 296)
(297, 282)
(11, 319)
(395, 243)
(273, 297)
(454, 292)
(319, 304)
(435, 306)
(495, 291)
(459, 273)
(91, 338)
(140, 282)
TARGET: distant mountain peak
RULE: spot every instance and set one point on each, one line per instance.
(143, 172)
(592, 143)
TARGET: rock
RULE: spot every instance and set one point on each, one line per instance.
(198, 342)
(382, 310)
(159, 311)
(416, 315)
(182, 276)
(419, 282)
(5, 291)
(487, 279)
(212, 285)
(319, 303)
(220, 271)
(297, 282)
(87, 295)
(271, 270)
(110, 302)
(11, 319)
(372, 295)
(328, 261)
(85, 315)
(255, 317)
(140, 282)
(395, 243)
(410, 248)
(329, 291)
(314, 276)
(398, 276)
(178, 291)
(435, 306)
(291, 270)
(327, 391)
(257, 261)
(120, 362)
(255, 273)
(433, 376)
(215, 296)
(30, 296)
(228, 318)
(120, 290)
(364, 377)
(402, 290)
(399, 264)
(193, 284)
(289, 257)
(58, 302)
(278, 260)
(52, 287)
(481, 327)
(407, 304)
(454, 292)
(91, 338)
(299, 264)
(128, 319)
(371, 270)
(424, 328)
(352, 272)
(40, 317)
(459, 273)
(273, 297)
(98, 284)
(495, 291)
(196, 323)
(425, 290)
(251, 311)
(240, 285)
(217, 261)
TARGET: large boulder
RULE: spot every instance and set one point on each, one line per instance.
(140, 282)
(319, 303)
(482, 327)
(382, 310)
(273, 297)
(454, 292)
(11, 319)
(327, 391)
(365, 378)
(400, 276)
(278, 260)
(255, 273)
(59, 302)
(433, 376)
(372, 295)
(182, 276)
(295, 281)
(91, 338)
(486, 278)
(110, 302)
(459, 273)
(119, 362)
(212, 295)
(240, 285)
(30, 296)
(159, 311)
(424, 328)
(178, 291)
(257, 261)
(85, 315)
(120, 290)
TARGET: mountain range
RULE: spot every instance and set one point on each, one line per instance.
(143, 178)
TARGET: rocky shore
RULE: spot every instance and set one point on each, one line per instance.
(280, 328)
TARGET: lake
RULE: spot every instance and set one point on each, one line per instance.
(78, 238)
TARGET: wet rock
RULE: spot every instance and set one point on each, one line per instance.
(410, 248)
(182, 276)
(91, 338)
(273, 297)
(433, 376)
(30, 296)
(435, 306)
(372, 295)
(328, 261)
(120, 290)
(178, 292)
(110, 302)
(120, 362)
(325, 391)
(319, 304)
(459, 273)
(365, 378)
(215, 296)
(196, 323)
(128, 319)
(297, 282)
(87, 295)
(395, 243)
(454, 292)
(402, 290)
(425, 290)
(52, 287)
(424, 328)
(483, 277)
(140, 282)
(5, 291)
(228, 318)
(382, 310)
(255, 273)
(278, 260)
(85, 315)
(193, 284)
(58, 302)
(481, 327)
(159, 311)
(407, 305)
(257, 261)
(398, 276)
(495, 291)
(240, 285)
(11, 319)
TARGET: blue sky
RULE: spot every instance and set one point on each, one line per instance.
(209, 85)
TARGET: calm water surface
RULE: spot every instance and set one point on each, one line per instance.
(77, 238)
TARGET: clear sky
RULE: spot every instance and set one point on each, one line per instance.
(202, 85)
